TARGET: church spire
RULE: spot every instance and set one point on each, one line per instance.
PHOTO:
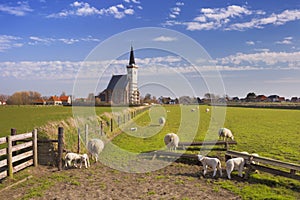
(131, 59)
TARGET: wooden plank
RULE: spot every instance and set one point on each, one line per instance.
(174, 154)
(3, 163)
(207, 143)
(22, 146)
(21, 136)
(3, 152)
(3, 140)
(275, 171)
(22, 165)
(22, 156)
(265, 160)
(3, 174)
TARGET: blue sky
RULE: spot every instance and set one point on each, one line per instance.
(255, 45)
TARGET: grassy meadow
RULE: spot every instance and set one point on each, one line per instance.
(271, 133)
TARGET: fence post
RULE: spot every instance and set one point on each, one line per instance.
(78, 140)
(86, 134)
(60, 146)
(101, 128)
(35, 147)
(13, 132)
(9, 156)
(111, 125)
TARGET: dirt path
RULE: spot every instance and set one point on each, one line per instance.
(176, 181)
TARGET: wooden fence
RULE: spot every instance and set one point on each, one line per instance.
(20, 152)
(268, 165)
(193, 156)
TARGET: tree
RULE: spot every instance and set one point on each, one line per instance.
(251, 96)
(23, 98)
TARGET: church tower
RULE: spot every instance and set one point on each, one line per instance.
(132, 75)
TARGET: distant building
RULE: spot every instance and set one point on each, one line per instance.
(123, 89)
(54, 100)
(261, 98)
(66, 100)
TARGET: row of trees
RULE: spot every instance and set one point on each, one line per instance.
(23, 97)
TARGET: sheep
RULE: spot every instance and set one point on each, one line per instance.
(225, 133)
(172, 141)
(214, 163)
(207, 110)
(85, 159)
(161, 121)
(72, 159)
(95, 146)
(193, 110)
(235, 163)
(133, 129)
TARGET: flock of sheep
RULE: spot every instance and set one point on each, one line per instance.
(171, 140)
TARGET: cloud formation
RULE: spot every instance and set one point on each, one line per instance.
(164, 39)
(235, 17)
(9, 41)
(21, 9)
(83, 9)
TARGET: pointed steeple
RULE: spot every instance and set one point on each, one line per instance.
(131, 59)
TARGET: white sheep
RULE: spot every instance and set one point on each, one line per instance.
(172, 141)
(214, 163)
(207, 110)
(237, 164)
(72, 159)
(225, 133)
(85, 159)
(95, 146)
(161, 121)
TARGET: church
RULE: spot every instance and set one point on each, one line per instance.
(123, 89)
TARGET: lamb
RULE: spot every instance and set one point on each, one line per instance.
(214, 163)
(85, 159)
(74, 158)
(172, 141)
(161, 121)
(225, 133)
(95, 146)
(235, 163)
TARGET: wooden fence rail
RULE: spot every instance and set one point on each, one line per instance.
(268, 165)
(14, 153)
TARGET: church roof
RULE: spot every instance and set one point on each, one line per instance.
(131, 58)
(117, 82)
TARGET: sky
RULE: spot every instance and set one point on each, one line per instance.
(253, 46)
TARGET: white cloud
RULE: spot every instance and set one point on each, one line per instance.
(264, 58)
(175, 11)
(20, 10)
(235, 17)
(286, 40)
(274, 19)
(34, 40)
(8, 42)
(164, 39)
(85, 9)
(250, 43)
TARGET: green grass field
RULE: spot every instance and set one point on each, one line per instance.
(269, 132)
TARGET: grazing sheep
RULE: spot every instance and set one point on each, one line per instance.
(85, 159)
(225, 133)
(71, 159)
(214, 163)
(161, 121)
(95, 146)
(235, 163)
(193, 110)
(133, 129)
(172, 141)
(207, 110)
